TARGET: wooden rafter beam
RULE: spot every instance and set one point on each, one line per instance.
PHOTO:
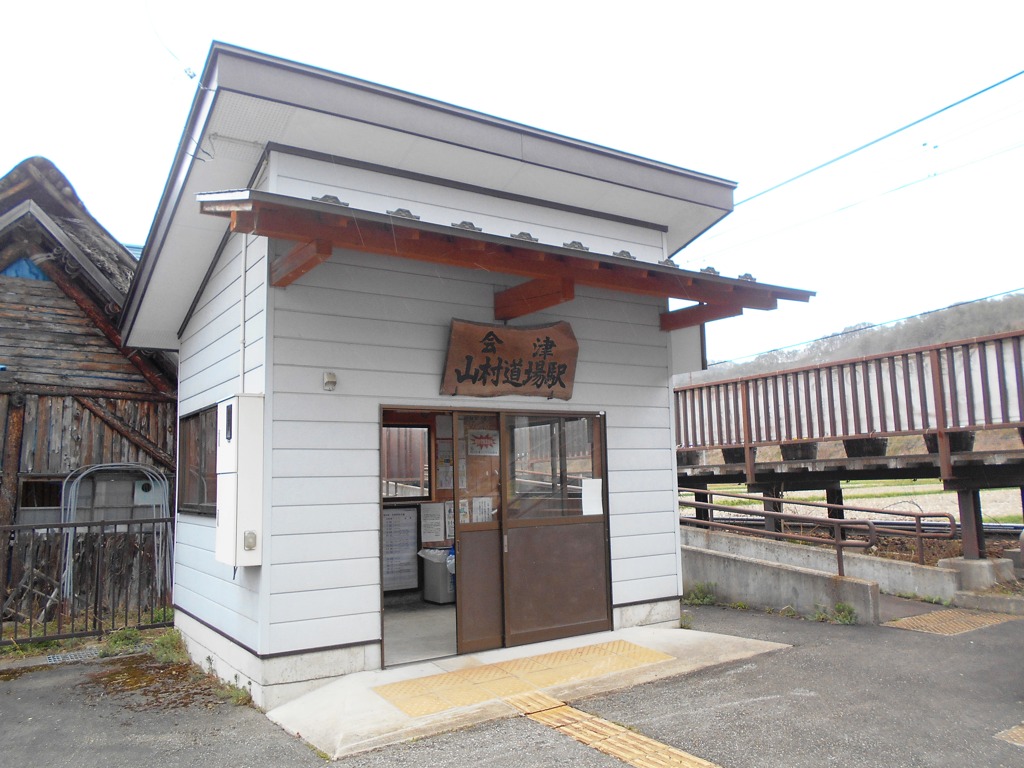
(317, 231)
(532, 296)
(698, 315)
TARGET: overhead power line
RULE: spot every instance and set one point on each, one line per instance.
(879, 139)
(848, 206)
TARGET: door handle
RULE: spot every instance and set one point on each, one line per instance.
(505, 547)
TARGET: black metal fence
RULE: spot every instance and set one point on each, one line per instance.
(66, 580)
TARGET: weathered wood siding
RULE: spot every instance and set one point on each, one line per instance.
(211, 368)
(61, 364)
(47, 340)
(61, 434)
(382, 325)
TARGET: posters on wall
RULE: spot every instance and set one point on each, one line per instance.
(400, 565)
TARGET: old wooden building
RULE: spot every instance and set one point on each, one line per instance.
(70, 394)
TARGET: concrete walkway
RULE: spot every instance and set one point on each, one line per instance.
(372, 709)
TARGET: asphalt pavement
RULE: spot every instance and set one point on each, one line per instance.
(837, 696)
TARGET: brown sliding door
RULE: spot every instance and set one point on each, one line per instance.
(555, 543)
(531, 533)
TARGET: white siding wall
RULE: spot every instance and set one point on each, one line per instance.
(381, 324)
(210, 370)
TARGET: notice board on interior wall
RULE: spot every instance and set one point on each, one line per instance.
(486, 360)
(401, 568)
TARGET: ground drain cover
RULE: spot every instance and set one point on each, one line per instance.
(952, 622)
(83, 655)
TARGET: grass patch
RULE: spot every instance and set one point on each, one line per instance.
(18, 650)
(237, 694)
(703, 593)
(169, 648)
(122, 641)
(842, 613)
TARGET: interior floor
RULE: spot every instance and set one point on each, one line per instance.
(415, 630)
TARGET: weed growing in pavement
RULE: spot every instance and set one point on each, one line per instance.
(121, 641)
(842, 613)
(237, 694)
(739, 606)
(169, 648)
(24, 650)
(789, 612)
(703, 593)
(685, 621)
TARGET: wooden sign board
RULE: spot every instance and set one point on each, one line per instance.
(490, 360)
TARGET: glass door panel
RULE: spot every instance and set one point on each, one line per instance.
(552, 465)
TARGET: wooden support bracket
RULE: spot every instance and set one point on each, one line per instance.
(532, 296)
(698, 315)
(286, 269)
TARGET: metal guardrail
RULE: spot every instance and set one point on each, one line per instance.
(83, 579)
(841, 529)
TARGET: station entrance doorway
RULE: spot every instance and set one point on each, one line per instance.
(516, 504)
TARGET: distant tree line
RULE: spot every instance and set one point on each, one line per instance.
(960, 321)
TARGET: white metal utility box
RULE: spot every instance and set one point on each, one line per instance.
(239, 540)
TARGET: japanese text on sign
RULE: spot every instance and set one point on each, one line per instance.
(487, 360)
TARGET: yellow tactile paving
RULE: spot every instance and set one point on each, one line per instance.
(421, 706)
(480, 674)
(465, 695)
(507, 686)
(474, 685)
(608, 664)
(435, 683)
(642, 752)
(955, 621)
(406, 689)
(535, 701)
(628, 746)
(559, 717)
(1013, 735)
(592, 731)
(518, 666)
(517, 682)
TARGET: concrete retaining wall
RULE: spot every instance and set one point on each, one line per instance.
(759, 584)
(892, 576)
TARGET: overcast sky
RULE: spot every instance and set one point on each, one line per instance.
(755, 92)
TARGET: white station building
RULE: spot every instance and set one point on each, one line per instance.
(404, 327)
